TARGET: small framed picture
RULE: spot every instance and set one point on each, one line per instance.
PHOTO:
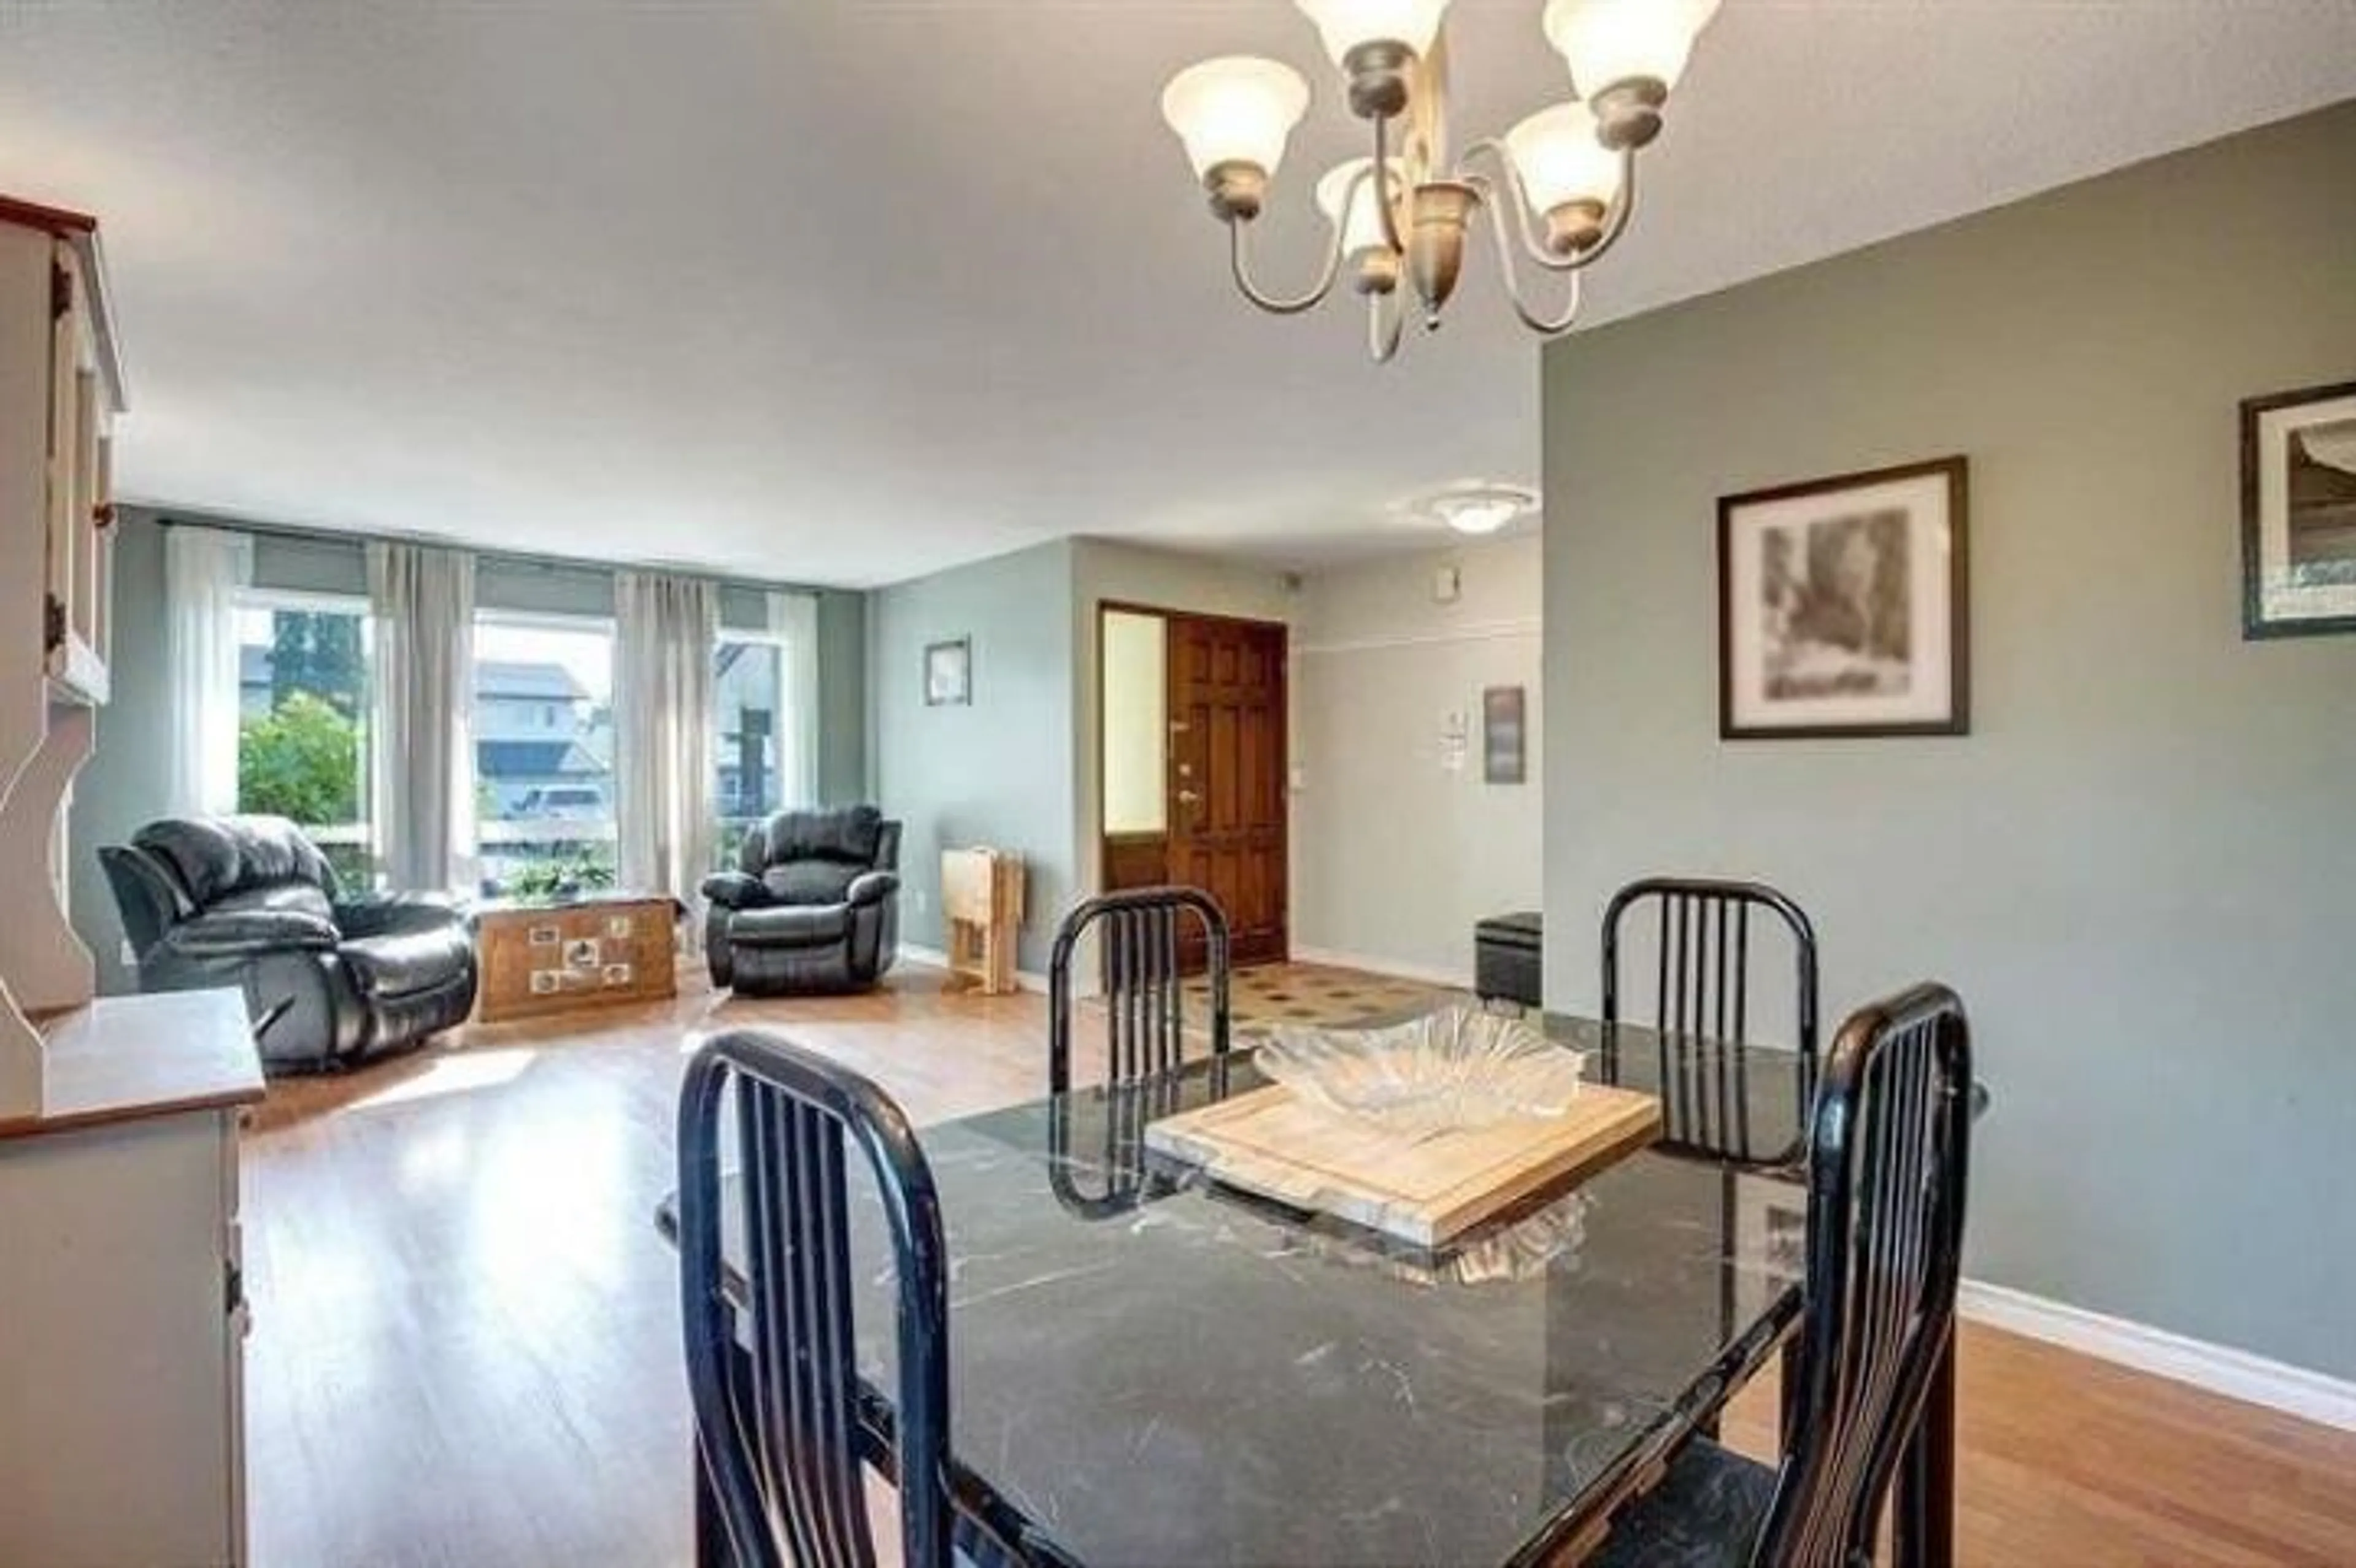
(948, 673)
(1503, 738)
(581, 952)
(546, 981)
(1770, 1243)
(2298, 513)
(1842, 606)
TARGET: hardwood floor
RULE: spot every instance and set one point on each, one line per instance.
(466, 1348)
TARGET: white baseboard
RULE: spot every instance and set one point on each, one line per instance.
(2236, 1374)
(1428, 974)
(933, 958)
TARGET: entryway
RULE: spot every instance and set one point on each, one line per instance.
(1192, 765)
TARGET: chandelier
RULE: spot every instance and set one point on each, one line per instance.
(1559, 187)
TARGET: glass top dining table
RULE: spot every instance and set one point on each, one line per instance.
(1150, 1368)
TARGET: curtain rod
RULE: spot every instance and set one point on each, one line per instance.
(162, 518)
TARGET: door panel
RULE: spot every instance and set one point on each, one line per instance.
(1227, 801)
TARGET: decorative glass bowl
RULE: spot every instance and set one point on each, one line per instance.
(1460, 1068)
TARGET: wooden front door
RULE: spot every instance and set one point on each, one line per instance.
(1226, 805)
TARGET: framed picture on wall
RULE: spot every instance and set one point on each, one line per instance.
(1842, 607)
(948, 673)
(1503, 738)
(2298, 513)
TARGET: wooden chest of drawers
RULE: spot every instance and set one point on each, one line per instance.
(541, 959)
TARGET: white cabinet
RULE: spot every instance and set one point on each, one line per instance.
(122, 1309)
(79, 514)
(59, 392)
(121, 1345)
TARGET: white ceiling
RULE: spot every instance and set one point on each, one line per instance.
(844, 291)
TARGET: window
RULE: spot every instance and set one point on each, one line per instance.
(754, 741)
(302, 739)
(544, 752)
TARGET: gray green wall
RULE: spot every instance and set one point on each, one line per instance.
(119, 789)
(2140, 868)
(1396, 854)
(996, 772)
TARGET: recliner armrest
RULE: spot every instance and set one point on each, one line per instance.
(871, 887)
(240, 933)
(734, 890)
(396, 914)
(402, 964)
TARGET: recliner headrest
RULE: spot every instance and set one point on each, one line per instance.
(213, 856)
(850, 834)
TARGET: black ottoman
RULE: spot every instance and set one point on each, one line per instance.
(1507, 963)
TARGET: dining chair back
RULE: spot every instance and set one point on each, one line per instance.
(773, 1373)
(1887, 1171)
(1702, 944)
(1144, 986)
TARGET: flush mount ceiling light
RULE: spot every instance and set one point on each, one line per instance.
(1567, 171)
(1475, 507)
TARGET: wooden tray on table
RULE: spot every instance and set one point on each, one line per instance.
(1426, 1191)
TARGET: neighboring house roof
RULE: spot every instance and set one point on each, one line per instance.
(534, 682)
(494, 679)
(534, 760)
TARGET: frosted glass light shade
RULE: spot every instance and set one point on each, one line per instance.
(1560, 160)
(1347, 24)
(1362, 228)
(1478, 515)
(1235, 109)
(1608, 41)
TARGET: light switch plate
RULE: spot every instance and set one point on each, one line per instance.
(1447, 585)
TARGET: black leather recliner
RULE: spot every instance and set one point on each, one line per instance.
(812, 906)
(249, 901)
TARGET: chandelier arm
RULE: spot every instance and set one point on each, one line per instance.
(1530, 318)
(1241, 268)
(1385, 318)
(1382, 187)
(1531, 247)
(1615, 222)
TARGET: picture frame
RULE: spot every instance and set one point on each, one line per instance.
(1505, 735)
(948, 673)
(2298, 513)
(1844, 606)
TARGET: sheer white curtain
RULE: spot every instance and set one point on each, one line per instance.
(662, 730)
(793, 621)
(203, 569)
(424, 601)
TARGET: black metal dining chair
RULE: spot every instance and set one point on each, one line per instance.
(1144, 985)
(1702, 946)
(784, 1427)
(1887, 1173)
